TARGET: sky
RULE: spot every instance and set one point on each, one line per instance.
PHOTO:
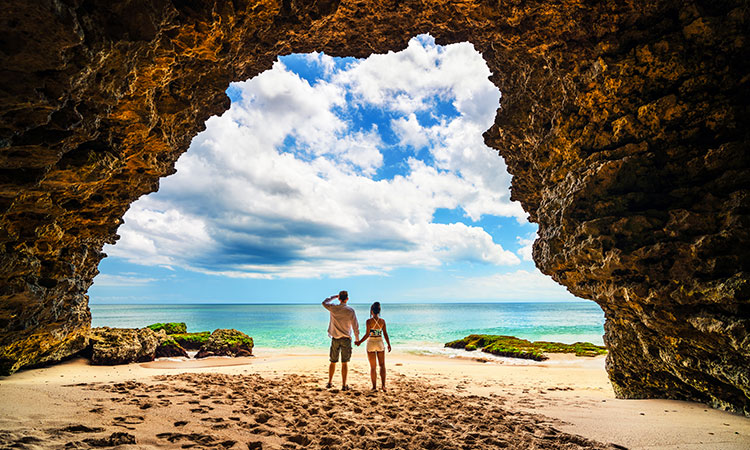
(328, 174)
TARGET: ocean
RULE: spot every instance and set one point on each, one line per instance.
(411, 327)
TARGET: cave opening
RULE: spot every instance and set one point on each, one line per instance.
(621, 124)
(366, 174)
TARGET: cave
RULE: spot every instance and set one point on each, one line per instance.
(621, 123)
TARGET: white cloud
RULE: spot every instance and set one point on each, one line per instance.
(521, 285)
(122, 280)
(321, 59)
(411, 132)
(284, 185)
(408, 80)
(527, 244)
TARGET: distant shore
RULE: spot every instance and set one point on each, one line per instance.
(560, 398)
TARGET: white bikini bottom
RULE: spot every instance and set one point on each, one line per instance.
(375, 344)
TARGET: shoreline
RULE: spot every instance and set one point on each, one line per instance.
(571, 394)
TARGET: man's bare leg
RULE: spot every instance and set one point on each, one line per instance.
(331, 371)
(344, 371)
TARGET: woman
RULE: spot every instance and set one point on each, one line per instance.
(375, 348)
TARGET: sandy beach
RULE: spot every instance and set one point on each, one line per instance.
(278, 399)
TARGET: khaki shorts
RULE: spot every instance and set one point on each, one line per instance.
(343, 346)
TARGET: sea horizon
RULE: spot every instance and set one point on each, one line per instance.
(411, 326)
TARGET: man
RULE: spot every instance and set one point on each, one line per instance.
(343, 321)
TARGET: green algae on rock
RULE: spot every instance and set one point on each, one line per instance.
(168, 347)
(223, 342)
(169, 327)
(514, 347)
(191, 341)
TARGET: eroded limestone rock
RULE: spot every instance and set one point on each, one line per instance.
(113, 346)
(168, 347)
(225, 342)
(169, 327)
(191, 341)
(623, 124)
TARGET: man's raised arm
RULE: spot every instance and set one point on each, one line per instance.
(327, 302)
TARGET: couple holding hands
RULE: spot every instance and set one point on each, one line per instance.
(343, 322)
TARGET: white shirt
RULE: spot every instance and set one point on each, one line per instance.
(343, 320)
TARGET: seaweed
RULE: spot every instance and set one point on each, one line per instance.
(191, 341)
(169, 327)
(514, 347)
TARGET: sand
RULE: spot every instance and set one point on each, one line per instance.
(278, 400)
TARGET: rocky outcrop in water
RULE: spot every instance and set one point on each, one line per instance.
(169, 327)
(191, 341)
(623, 124)
(513, 347)
(225, 342)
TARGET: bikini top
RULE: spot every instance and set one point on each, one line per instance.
(376, 332)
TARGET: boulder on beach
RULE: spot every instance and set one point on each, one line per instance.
(169, 327)
(168, 347)
(223, 342)
(112, 346)
(191, 341)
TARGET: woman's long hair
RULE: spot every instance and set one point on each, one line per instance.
(375, 309)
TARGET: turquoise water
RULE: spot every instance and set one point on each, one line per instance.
(410, 326)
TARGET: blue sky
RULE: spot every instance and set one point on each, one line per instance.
(337, 173)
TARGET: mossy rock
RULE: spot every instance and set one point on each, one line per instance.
(474, 340)
(168, 347)
(223, 342)
(112, 346)
(579, 348)
(514, 347)
(191, 341)
(169, 327)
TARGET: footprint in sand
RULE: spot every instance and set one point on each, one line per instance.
(115, 439)
(301, 439)
(262, 417)
(128, 420)
(212, 419)
(204, 439)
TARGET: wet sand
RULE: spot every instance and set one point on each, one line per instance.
(278, 400)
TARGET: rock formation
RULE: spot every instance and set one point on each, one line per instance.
(169, 327)
(112, 346)
(227, 343)
(169, 347)
(191, 341)
(513, 347)
(623, 124)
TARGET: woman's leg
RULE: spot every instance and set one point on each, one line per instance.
(373, 373)
(381, 362)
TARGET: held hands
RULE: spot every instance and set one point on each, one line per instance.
(357, 343)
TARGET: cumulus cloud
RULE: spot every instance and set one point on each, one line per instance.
(327, 63)
(526, 250)
(286, 184)
(521, 285)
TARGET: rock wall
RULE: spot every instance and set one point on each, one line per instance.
(622, 123)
